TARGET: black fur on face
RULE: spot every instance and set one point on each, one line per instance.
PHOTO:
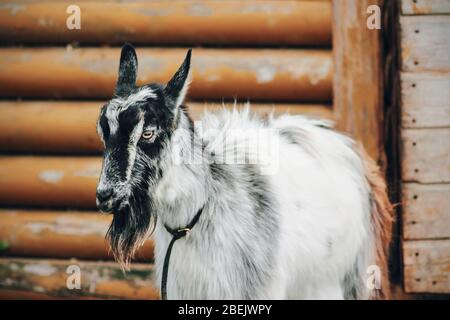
(135, 126)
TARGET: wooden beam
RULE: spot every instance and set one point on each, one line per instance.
(357, 83)
(49, 181)
(99, 280)
(59, 234)
(254, 74)
(419, 7)
(427, 266)
(6, 294)
(426, 211)
(71, 126)
(425, 44)
(177, 22)
(63, 126)
(425, 155)
(425, 99)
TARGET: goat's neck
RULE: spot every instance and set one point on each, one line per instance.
(184, 187)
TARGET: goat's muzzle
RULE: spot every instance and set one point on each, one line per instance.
(104, 200)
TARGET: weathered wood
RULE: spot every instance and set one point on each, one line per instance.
(418, 7)
(254, 74)
(427, 266)
(425, 44)
(425, 99)
(49, 126)
(426, 155)
(6, 294)
(59, 234)
(426, 211)
(49, 181)
(103, 280)
(175, 22)
(357, 87)
(71, 126)
(426, 146)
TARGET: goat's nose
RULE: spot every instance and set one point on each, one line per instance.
(104, 195)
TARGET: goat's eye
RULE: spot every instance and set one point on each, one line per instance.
(148, 134)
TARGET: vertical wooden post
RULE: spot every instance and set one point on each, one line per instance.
(357, 88)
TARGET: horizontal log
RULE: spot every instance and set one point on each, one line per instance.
(49, 126)
(426, 266)
(425, 99)
(426, 155)
(264, 75)
(419, 7)
(175, 22)
(59, 234)
(71, 126)
(425, 43)
(6, 294)
(426, 211)
(101, 280)
(49, 181)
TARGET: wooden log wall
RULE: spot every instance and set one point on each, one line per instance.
(425, 83)
(59, 234)
(91, 73)
(53, 81)
(230, 22)
(47, 279)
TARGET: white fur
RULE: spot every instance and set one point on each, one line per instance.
(135, 136)
(323, 202)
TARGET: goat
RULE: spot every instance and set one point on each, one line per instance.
(308, 222)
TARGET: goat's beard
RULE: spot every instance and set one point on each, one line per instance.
(130, 227)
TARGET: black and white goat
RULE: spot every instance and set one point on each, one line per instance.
(313, 224)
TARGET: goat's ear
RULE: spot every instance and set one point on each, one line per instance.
(177, 87)
(127, 70)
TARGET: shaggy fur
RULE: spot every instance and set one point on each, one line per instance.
(290, 209)
(382, 219)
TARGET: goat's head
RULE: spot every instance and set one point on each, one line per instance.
(135, 127)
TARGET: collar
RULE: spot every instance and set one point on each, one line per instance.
(176, 234)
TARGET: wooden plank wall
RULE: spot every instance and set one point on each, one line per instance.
(275, 53)
(425, 84)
